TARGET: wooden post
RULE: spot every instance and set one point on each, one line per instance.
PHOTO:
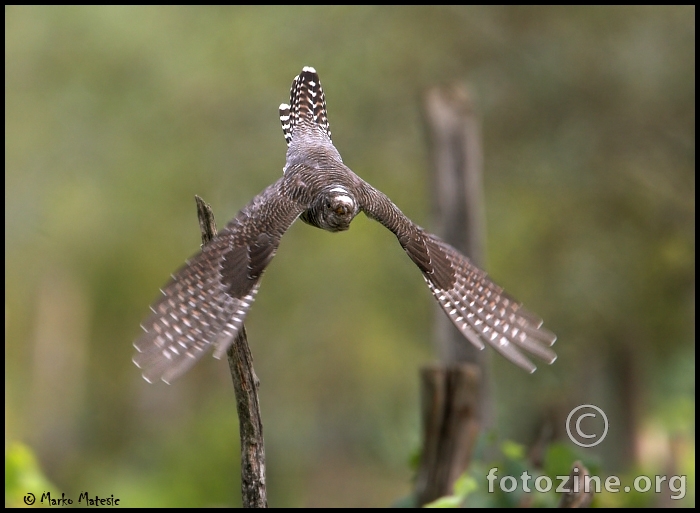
(455, 392)
(579, 492)
(458, 197)
(449, 400)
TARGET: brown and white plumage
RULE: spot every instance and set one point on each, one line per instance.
(206, 301)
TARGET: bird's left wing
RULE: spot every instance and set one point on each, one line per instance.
(207, 300)
(480, 309)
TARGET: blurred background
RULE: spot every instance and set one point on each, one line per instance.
(115, 117)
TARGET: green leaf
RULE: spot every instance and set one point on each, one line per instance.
(450, 501)
(23, 475)
(513, 450)
(465, 485)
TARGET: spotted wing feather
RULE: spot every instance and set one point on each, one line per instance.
(481, 310)
(477, 306)
(207, 300)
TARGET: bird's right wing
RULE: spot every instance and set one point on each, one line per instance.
(480, 309)
(207, 300)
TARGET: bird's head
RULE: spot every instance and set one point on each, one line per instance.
(333, 209)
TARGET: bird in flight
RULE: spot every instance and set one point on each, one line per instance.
(206, 301)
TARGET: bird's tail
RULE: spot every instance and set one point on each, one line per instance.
(306, 112)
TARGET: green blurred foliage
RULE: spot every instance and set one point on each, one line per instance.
(465, 486)
(23, 474)
(116, 116)
(473, 488)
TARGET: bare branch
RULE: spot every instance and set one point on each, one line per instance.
(245, 384)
